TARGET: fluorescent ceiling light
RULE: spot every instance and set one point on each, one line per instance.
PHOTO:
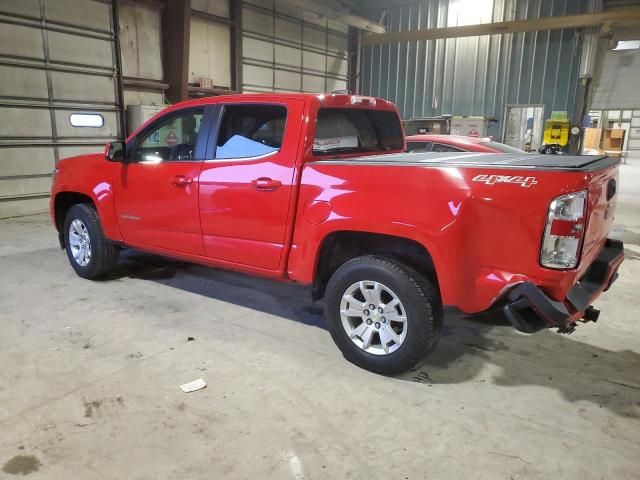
(627, 45)
(469, 12)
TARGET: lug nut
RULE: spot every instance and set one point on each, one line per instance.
(372, 306)
(377, 325)
(384, 320)
(366, 312)
(368, 321)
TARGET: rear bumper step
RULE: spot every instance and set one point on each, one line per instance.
(529, 310)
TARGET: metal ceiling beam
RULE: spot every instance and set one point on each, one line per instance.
(337, 15)
(627, 16)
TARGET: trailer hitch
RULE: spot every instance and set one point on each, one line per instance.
(591, 314)
(568, 329)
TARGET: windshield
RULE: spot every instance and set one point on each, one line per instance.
(501, 147)
(341, 130)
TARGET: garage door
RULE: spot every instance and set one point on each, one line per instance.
(287, 49)
(210, 50)
(615, 81)
(56, 58)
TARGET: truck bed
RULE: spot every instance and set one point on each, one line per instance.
(529, 161)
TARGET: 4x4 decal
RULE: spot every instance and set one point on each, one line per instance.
(493, 179)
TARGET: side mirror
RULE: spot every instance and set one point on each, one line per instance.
(115, 152)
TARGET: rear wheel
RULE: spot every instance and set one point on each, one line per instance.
(384, 316)
(90, 253)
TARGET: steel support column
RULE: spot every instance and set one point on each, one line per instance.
(176, 27)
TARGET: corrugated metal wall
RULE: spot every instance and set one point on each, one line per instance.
(291, 49)
(210, 43)
(476, 75)
(141, 51)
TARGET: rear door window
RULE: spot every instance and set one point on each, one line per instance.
(419, 146)
(250, 130)
(345, 130)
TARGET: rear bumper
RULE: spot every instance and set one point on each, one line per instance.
(529, 309)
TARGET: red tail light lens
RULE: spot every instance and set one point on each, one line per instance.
(564, 231)
(566, 228)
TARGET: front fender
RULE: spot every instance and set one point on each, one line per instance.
(88, 176)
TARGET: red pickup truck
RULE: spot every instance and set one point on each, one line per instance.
(317, 189)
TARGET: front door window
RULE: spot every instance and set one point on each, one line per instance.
(172, 138)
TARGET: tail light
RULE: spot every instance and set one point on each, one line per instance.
(564, 231)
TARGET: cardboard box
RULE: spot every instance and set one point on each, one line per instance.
(613, 139)
(592, 137)
(617, 133)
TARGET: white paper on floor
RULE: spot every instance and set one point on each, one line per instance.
(198, 384)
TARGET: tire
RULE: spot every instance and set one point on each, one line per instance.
(419, 304)
(103, 254)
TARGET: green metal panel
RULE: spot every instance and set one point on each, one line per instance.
(475, 76)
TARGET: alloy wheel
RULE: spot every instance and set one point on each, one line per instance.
(373, 317)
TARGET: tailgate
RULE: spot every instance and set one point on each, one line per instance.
(603, 186)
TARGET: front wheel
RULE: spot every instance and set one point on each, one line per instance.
(90, 253)
(384, 316)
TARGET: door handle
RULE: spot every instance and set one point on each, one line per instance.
(181, 181)
(266, 183)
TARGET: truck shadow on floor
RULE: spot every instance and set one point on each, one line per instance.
(489, 350)
(481, 350)
(287, 300)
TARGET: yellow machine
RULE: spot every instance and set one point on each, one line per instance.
(556, 129)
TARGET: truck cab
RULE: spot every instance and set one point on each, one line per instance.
(215, 178)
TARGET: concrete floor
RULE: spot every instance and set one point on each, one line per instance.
(89, 376)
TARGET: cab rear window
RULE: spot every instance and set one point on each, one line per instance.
(346, 130)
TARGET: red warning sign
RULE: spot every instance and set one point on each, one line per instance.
(171, 139)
